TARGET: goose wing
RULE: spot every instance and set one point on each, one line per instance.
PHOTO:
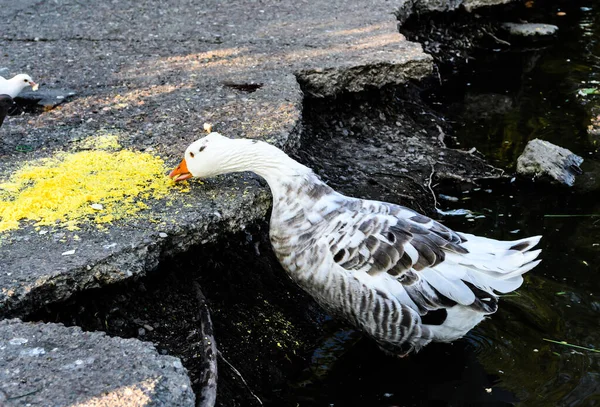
(423, 263)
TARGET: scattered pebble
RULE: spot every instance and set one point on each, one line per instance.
(68, 252)
(163, 234)
(97, 207)
(33, 352)
(535, 350)
(561, 14)
(515, 231)
(18, 341)
(488, 390)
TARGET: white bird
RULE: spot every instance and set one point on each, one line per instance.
(401, 277)
(15, 85)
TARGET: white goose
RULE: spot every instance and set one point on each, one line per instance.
(402, 278)
(15, 85)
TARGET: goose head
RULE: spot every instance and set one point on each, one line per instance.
(209, 156)
(215, 155)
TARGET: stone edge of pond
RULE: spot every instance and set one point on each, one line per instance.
(46, 361)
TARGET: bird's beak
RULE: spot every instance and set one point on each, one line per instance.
(181, 172)
(34, 86)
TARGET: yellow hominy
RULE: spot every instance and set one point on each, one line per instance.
(60, 191)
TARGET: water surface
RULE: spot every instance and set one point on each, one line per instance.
(502, 100)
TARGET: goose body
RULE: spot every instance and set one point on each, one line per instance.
(401, 277)
(15, 85)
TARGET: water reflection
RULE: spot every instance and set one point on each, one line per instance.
(559, 300)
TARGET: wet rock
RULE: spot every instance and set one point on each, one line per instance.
(549, 163)
(396, 163)
(50, 362)
(530, 29)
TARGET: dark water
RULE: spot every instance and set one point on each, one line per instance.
(501, 101)
(506, 97)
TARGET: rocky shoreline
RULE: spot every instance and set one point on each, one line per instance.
(305, 79)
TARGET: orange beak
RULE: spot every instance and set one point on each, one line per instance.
(181, 172)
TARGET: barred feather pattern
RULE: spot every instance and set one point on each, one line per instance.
(387, 269)
(401, 277)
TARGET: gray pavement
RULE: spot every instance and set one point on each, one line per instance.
(51, 365)
(156, 72)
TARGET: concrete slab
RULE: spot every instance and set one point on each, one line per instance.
(49, 364)
(153, 74)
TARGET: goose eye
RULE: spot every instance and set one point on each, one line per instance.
(24, 80)
(191, 154)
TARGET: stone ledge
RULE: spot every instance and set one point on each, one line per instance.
(155, 85)
(45, 364)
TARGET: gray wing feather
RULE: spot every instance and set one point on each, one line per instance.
(390, 239)
(392, 244)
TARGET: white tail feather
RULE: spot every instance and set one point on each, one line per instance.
(491, 265)
(456, 290)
